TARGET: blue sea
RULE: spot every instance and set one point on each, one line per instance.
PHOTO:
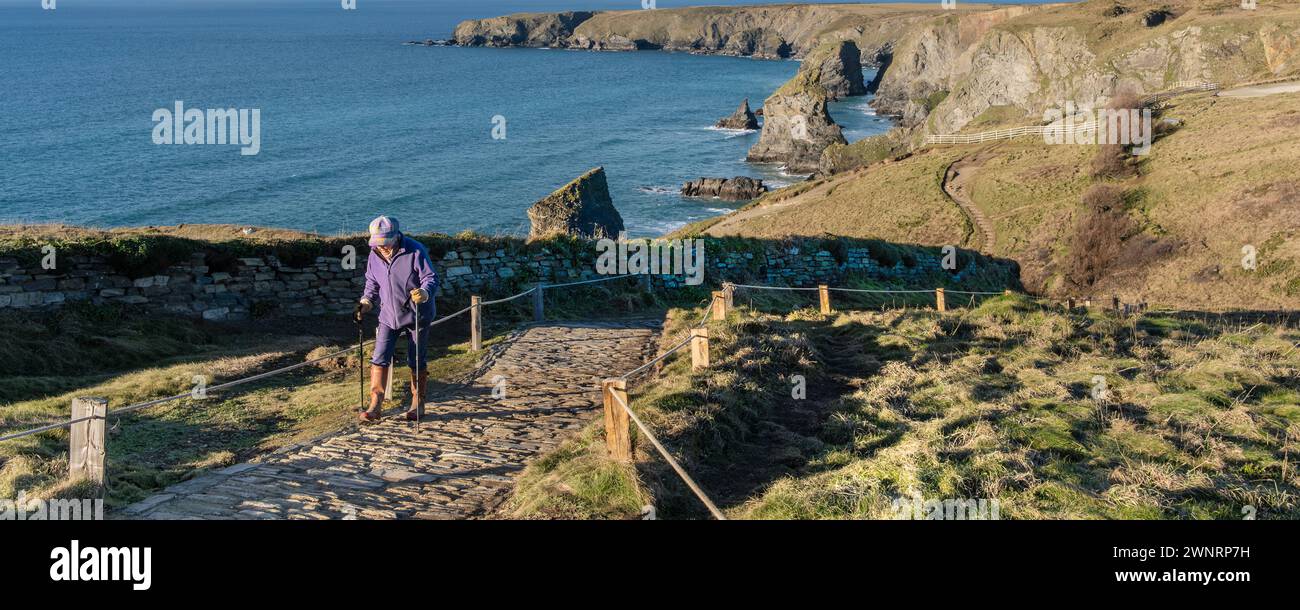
(353, 122)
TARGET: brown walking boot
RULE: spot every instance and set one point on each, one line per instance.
(378, 376)
(418, 389)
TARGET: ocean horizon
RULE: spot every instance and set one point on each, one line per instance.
(354, 123)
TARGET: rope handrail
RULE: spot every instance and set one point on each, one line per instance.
(448, 317)
(835, 289)
(509, 298)
(695, 488)
(591, 281)
(670, 351)
(773, 287)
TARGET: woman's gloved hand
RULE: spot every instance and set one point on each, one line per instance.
(419, 295)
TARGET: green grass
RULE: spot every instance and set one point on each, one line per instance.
(1198, 420)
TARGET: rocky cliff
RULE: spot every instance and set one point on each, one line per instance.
(523, 30)
(773, 31)
(582, 207)
(947, 72)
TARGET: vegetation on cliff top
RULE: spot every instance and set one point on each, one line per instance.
(1053, 414)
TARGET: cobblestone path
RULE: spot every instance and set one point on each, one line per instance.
(462, 464)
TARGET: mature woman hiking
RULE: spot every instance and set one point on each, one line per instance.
(399, 277)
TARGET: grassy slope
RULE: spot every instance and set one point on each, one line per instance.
(900, 202)
(990, 402)
(1222, 181)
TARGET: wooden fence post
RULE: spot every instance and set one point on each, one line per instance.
(939, 302)
(699, 348)
(1114, 302)
(539, 303)
(729, 292)
(618, 433)
(86, 457)
(824, 295)
(476, 322)
(1069, 304)
(719, 305)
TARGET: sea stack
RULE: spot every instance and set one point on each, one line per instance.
(743, 118)
(582, 207)
(796, 124)
(740, 188)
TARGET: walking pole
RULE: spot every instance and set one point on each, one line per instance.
(415, 372)
(359, 318)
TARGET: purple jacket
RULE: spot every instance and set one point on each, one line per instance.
(389, 285)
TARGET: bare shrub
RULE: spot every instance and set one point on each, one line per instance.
(1113, 160)
(1099, 234)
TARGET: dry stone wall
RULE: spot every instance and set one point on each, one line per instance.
(264, 286)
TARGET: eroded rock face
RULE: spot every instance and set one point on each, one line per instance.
(839, 69)
(582, 207)
(524, 30)
(946, 73)
(740, 188)
(742, 118)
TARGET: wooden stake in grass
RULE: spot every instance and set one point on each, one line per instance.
(618, 433)
(824, 294)
(699, 349)
(729, 295)
(939, 302)
(476, 322)
(87, 448)
(719, 305)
